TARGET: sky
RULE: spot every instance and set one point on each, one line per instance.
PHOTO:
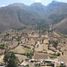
(27, 2)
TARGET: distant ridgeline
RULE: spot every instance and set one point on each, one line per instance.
(36, 16)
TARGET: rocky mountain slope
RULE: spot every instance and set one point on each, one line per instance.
(18, 15)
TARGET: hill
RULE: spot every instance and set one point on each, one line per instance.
(20, 16)
(62, 26)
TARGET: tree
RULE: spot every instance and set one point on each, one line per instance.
(11, 60)
(55, 44)
(2, 46)
(37, 65)
(29, 54)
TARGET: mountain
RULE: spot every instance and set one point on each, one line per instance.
(36, 15)
(39, 9)
(18, 16)
(62, 26)
(15, 16)
(57, 11)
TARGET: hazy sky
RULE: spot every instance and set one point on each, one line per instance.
(28, 2)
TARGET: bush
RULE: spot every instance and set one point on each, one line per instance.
(37, 65)
(2, 46)
(29, 54)
(55, 55)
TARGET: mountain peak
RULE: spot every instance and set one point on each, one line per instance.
(17, 4)
(37, 4)
(57, 2)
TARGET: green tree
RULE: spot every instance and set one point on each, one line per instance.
(2, 46)
(37, 65)
(55, 44)
(11, 60)
(29, 54)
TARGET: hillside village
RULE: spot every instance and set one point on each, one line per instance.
(33, 35)
(32, 48)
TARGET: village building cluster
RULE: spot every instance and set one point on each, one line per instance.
(34, 49)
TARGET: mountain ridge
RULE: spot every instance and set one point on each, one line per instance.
(19, 15)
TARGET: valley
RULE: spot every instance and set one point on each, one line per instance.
(33, 35)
